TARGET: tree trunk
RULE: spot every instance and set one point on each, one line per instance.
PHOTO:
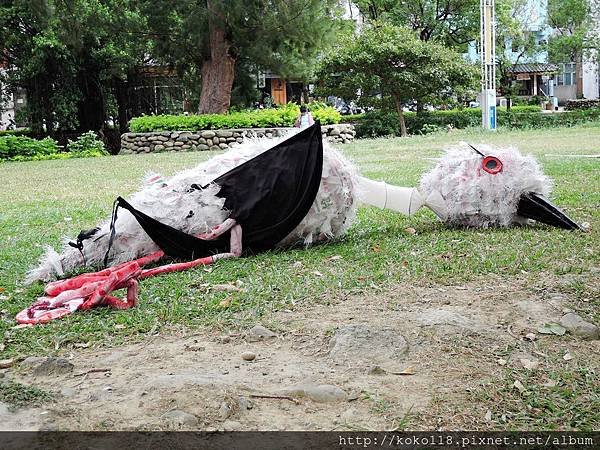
(420, 107)
(36, 107)
(398, 104)
(578, 75)
(305, 93)
(122, 103)
(218, 71)
(91, 112)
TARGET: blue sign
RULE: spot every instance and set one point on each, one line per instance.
(493, 117)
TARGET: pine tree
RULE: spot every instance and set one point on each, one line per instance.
(211, 37)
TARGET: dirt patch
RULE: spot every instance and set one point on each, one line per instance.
(430, 345)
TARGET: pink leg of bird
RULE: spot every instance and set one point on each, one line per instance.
(57, 287)
(235, 245)
(129, 302)
(235, 251)
(96, 287)
(116, 280)
(217, 231)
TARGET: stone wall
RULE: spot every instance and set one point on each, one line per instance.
(185, 141)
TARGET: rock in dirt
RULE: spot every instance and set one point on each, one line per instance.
(523, 359)
(32, 361)
(6, 363)
(536, 311)
(579, 327)
(366, 345)
(321, 393)
(224, 411)
(68, 392)
(179, 418)
(529, 364)
(41, 366)
(350, 415)
(443, 317)
(259, 333)
(376, 370)
(244, 403)
(248, 356)
(231, 425)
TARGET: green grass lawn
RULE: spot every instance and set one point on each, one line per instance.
(43, 201)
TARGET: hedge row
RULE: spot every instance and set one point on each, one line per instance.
(22, 148)
(284, 116)
(379, 123)
(585, 103)
(563, 119)
(21, 132)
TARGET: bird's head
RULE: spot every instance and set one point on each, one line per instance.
(483, 186)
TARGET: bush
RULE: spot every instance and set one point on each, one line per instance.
(379, 123)
(429, 128)
(86, 145)
(20, 132)
(327, 115)
(22, 148)
(283, 116)
(536, 100)
(585, 103)
(536, 120)
(353, 118)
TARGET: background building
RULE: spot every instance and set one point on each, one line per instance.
(534, 73)
(10, 104)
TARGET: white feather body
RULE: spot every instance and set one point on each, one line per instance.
(196, 211)
(472, 197)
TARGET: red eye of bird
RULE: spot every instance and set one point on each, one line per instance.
(492, 165)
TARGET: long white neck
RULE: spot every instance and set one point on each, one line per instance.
(400, 199)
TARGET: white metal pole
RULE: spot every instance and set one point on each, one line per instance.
(488, 64)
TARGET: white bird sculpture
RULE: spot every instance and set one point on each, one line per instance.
(470, 187)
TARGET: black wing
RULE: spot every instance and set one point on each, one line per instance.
(268, 196)
(271, 194)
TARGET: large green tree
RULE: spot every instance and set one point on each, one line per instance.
(515, 43)
(212, 37)
(575, 35)
(69, 56)
(394, 62)
(452, 22)
(573, 22)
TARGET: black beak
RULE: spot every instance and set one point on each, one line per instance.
(536, 207)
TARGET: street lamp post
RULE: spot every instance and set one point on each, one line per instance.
(488, 65)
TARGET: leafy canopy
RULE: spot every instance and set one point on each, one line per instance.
(392, 60)
(283, 36)
(65, 54)
(575, 33)
(452, 22)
